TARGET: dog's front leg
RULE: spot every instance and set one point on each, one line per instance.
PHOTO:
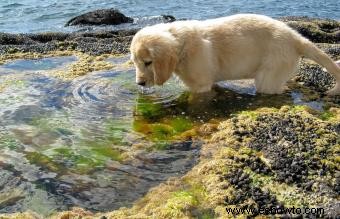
(198, 85)
(199, 100)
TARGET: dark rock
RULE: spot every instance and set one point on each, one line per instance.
(94, 43)
(14, 39)
(100, 17)
(168, 18)
(246, 191)
(48, 36)
(317, 30)
(312, 76)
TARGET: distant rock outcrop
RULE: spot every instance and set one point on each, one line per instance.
(168, 18)
(99, 17)
(315, 29)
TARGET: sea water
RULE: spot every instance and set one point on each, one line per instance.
(22, 16)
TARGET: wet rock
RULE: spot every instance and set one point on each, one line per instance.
(182, 146)
(291, 143)
(100, 17)
(10, 197)
(48, 36)
(14, 39)
(168, 18)
(246, 192)
(207, 129)
(312, 76)
(91, 42)
(101, 42)
(256, 165)
(25, 113)
(317, 30)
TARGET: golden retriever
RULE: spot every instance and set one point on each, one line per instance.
(243, 46)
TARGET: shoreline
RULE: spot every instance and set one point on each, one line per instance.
(236, 168)
(117, 41)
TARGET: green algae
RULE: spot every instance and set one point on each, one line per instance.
(148, 109)
(102, 149)
(79, 159)
(164, 131)
(251, 114)
(95, 153)
(106, 152)
(86, 153)
(327, 115)
(161, 145)
(181, 124)
(115, 131)
(158, 124)
(161, 132)
(83, 160)
(52, 123)
(8, 141)
(181, 200)
(43, 161)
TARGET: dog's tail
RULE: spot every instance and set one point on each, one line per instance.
(309, 50)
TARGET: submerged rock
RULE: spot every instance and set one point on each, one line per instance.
(100, 17)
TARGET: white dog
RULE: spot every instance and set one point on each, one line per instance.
(243, 46)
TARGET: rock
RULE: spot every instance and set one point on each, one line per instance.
(317, 30)
(14, 39)
(10, 197)
(47, 37)
(100, 17)
(311, 75)
(168, 18)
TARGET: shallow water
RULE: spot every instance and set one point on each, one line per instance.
(97, 141)
(21, 16)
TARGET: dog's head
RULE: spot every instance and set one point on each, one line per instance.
(154, 54)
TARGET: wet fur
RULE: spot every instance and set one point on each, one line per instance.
(243, 46)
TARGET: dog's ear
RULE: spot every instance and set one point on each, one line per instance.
(164, 60)
(163, 68)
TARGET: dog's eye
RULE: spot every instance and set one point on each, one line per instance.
(147, 63)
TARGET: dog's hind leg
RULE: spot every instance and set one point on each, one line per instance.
(272, 76)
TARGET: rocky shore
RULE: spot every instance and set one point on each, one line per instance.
(287, 156)
(102, 42)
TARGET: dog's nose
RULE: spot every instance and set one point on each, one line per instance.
(141, 83)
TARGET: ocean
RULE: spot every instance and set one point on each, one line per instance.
(29, 16)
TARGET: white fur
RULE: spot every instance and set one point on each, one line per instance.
(243, 46)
